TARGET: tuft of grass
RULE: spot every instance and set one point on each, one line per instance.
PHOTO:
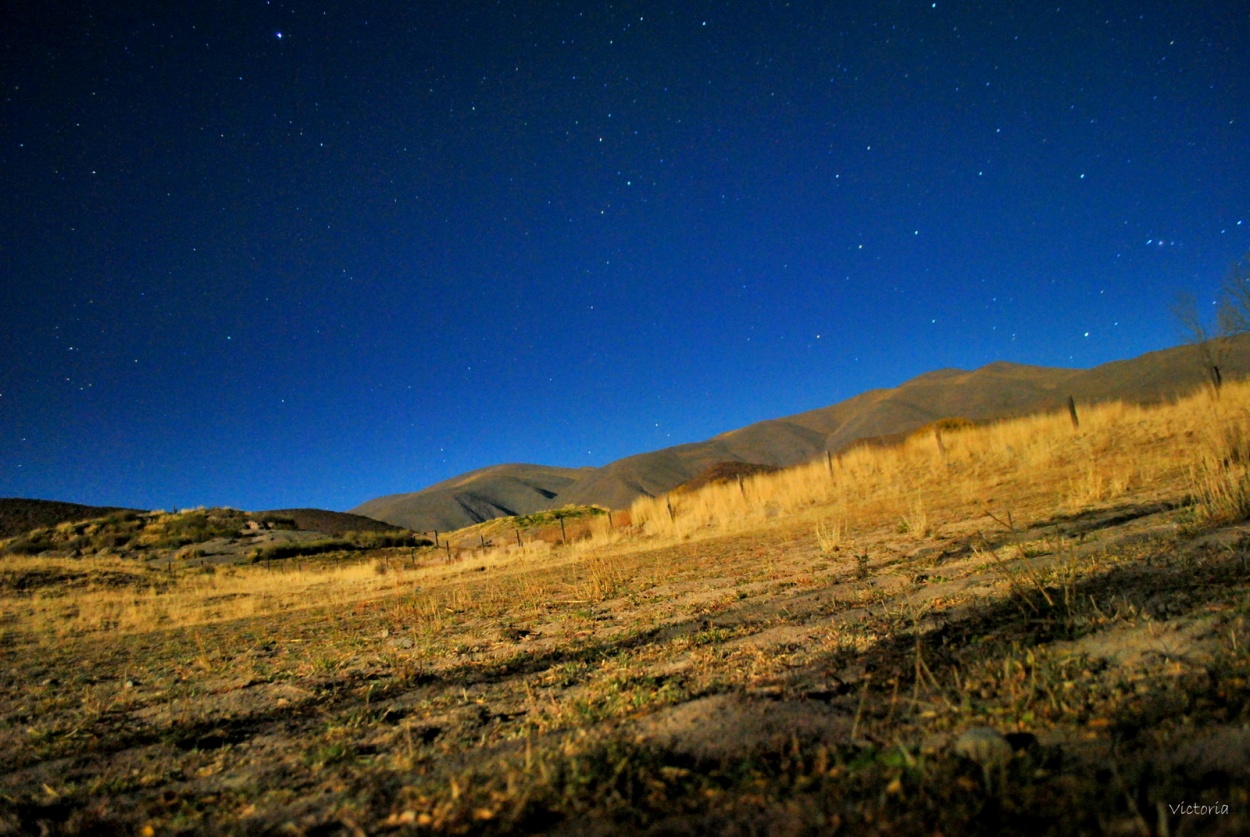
(830, 536)
(916, 521)
(1220, 478)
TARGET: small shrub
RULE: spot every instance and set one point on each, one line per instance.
(279, 551)
(277, 521)
(830, 536)
(31, 544)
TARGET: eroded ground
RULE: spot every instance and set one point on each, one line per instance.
(743, 685)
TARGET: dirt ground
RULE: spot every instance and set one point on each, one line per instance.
(1069, 674)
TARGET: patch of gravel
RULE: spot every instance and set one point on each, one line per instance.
(726, 727)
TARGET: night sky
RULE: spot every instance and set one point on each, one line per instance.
(276, 254)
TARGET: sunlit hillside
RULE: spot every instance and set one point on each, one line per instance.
(1036, 625)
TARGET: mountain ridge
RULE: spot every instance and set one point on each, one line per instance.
(996, 390)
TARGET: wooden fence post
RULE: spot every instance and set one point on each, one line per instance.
(1076, 422)
(937, 434)
(518, 537)
(563, 539)
(829, 462)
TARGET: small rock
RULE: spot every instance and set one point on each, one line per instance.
(986, 746)
(934, 743)
(401, 642)
(131, 683)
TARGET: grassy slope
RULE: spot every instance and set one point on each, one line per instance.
(808, 656)
(18, 515)
(993, 391)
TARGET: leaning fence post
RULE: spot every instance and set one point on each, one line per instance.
(563, 539)
(829, 462)
(1076, 422)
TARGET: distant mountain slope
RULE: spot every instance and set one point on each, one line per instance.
(18, 515)
(331, 522)
(496, 491)
(723, 472)
(997, 390)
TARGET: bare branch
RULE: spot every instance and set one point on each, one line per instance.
(1185, 310)
(1233, 314)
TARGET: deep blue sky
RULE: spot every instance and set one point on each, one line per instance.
(307, 253)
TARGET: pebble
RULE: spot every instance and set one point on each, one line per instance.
(986, 746)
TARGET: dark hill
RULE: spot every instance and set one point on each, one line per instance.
(332, 522)
(497, 491)
(18, 515)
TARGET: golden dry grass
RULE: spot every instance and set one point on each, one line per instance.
(897, 596)
(1037, 464)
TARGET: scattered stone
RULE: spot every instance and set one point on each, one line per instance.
(131, 683)
(401, 642)
(934, 743)
(986, 746)
(515, 634)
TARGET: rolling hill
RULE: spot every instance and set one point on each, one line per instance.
(496, 491)
(20, 515)
(331, 522)
(997, 390)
